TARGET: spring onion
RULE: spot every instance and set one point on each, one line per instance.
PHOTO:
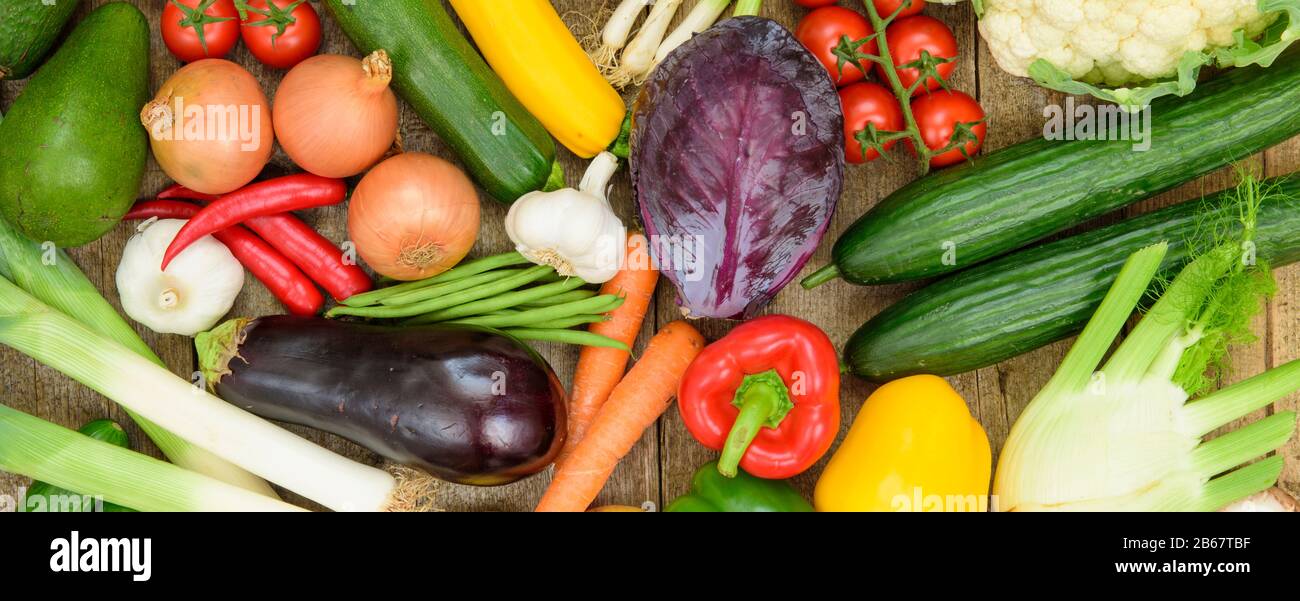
(704, 15)
(190, 412)
(43, 451)
(614, 36)
(1126, 437)
(639, 56)
(52, 277)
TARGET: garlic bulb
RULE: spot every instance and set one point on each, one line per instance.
(195, 292)
(574, 231)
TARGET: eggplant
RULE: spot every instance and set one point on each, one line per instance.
(466, 404)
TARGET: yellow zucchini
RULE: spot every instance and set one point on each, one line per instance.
(533, 52)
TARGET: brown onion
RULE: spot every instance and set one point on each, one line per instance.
(335, 115)
(210, 126)
(413, 216)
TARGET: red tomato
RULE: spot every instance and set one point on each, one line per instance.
(814, 3)
(887, 7)
(198, 29)
(868, 103)
(820, 32)
(908, 37)
(938, 113)
(278, 37)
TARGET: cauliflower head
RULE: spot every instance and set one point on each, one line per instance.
(1114, 42)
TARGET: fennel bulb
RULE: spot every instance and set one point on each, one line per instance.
(1125, 438)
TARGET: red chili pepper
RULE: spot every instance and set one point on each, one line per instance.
(313, 253)
(298, 294)
(177, 191)
(271, 197)
(767, 395)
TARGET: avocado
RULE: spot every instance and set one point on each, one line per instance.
(72, 151)
(28, 29)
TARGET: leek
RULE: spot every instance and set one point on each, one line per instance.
(51, 276)
(191, 412)
(33, 447)
(1125, 437)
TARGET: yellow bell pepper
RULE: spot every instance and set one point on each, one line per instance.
(533, 52)
(913, 447)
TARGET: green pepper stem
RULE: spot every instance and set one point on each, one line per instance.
(763, 400)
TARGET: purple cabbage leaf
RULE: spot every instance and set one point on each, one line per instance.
(737, 164)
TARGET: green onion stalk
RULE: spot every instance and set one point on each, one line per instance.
(44, 451)
(1124, 436)
(142, 386)
(50, 275)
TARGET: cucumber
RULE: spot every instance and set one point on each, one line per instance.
(28, 30)
(961, 216)
(54, 497)
(504, 148)
(72, 152)
(1037, 296)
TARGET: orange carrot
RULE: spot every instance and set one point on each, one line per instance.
(633, 406)
(600, 368)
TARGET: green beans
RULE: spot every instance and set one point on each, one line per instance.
(578, 337)
(455, 299)
(560, 299)
(597, 305)
(570, 322)
(533, 303)
(436, 290)
(474, 267)
(490, 303)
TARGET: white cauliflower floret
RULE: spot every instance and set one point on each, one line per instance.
(1115, 42)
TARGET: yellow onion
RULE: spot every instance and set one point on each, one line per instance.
(210, 126)
(413, 216)
(335, 116)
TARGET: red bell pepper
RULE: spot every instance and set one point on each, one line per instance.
(767, 395)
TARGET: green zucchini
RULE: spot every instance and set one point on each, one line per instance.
(52, 498)
(1000, 202)
(1031, 298)
(436, 70)
(28, 30)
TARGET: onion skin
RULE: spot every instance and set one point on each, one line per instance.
(413, 216)
(187, 153)
(335, 116)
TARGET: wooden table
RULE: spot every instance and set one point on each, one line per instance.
(660, 467)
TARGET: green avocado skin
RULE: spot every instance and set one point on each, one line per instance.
(72, 150)
(28, 29)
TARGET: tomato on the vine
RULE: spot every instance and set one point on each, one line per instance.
(864, 103)
(198, 29)
(815, 3)
(908, 37)
(888, 7)
(281, 33)
(945, 115)
(820, 32)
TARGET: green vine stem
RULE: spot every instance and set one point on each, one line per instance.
(928, 67)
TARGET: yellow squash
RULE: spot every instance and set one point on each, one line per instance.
(533, 52)
(913, 447)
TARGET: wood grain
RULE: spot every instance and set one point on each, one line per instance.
(660, 467)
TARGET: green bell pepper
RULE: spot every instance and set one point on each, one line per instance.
(713, 492)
